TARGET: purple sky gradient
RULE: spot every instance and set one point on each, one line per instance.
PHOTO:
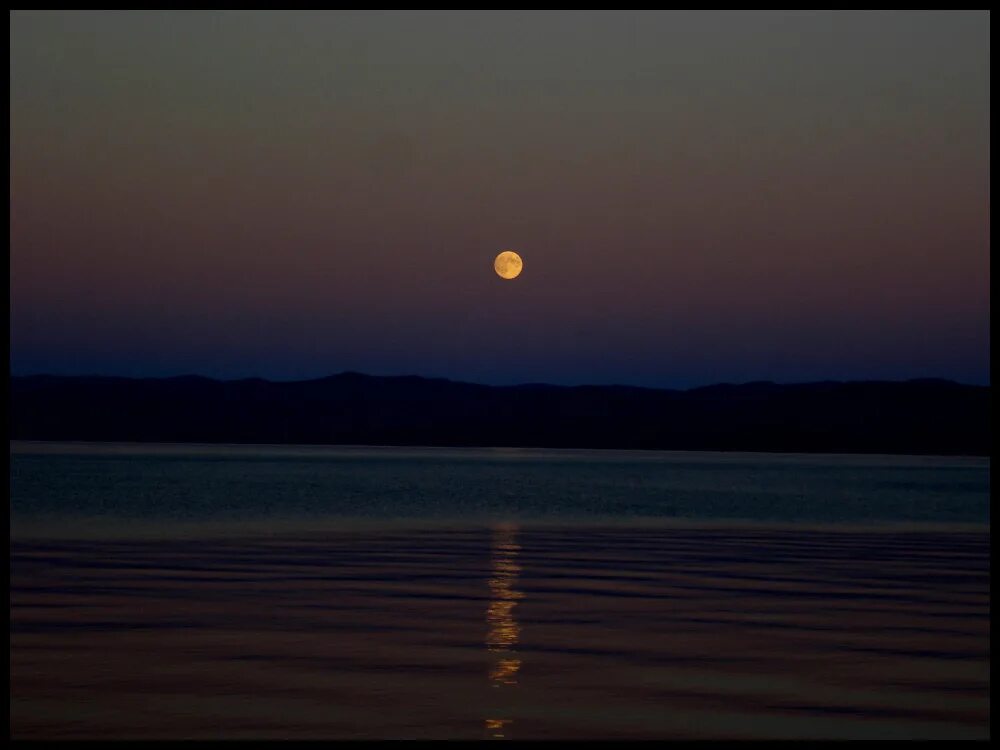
(698, 197)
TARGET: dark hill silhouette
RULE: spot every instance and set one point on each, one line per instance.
(916, 416)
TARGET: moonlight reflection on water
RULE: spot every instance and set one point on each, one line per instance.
(503, 629)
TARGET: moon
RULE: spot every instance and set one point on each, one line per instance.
(508, 265)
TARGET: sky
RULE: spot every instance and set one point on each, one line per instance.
(698, 197)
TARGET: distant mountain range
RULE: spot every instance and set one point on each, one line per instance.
(915, 417)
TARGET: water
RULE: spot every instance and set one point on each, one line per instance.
(505, 632)
(225, 592)
(202, 484)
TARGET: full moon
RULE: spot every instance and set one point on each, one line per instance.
(508, 264)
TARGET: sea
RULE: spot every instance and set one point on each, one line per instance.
(167, 591)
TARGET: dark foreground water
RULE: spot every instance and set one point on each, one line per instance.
(185, 592)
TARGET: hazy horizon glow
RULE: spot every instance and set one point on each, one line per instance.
(698, 196)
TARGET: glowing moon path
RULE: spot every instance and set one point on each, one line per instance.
(508, 264)
(504, 631)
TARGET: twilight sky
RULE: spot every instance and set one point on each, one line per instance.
(698, 196)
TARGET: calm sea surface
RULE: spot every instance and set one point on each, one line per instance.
(367, 593)
(165, 484)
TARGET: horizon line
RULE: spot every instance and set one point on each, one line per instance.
(529, 384)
